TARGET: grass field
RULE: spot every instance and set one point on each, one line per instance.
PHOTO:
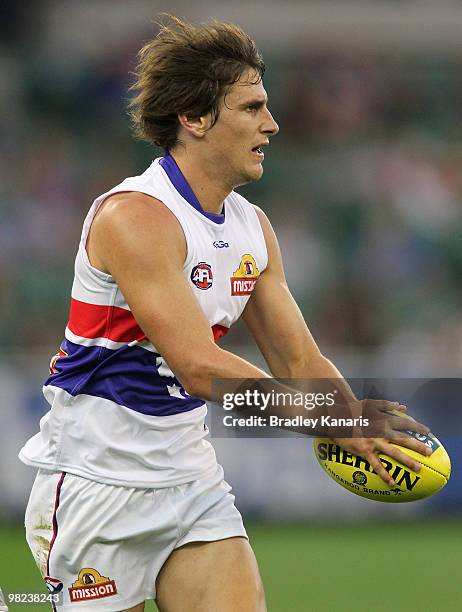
(408, 567)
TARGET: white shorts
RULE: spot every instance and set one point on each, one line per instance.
(101, 547)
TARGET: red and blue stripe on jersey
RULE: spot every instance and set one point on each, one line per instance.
(101, 357)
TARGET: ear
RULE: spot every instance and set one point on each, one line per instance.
(196, 126)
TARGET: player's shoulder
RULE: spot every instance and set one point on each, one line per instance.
(260, 213)
(130, 202)
(134, 222)
(136, 198)
(269, 234)
(134, 209)
(264, 221)
(136, 226)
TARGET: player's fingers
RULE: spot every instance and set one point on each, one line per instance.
(378, 468)
(384, 405)
(403, 439)
(381, 405)
(398, 455)
(398, 422)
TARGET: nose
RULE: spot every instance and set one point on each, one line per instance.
(271, 127)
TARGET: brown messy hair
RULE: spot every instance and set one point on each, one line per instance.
(187, 69)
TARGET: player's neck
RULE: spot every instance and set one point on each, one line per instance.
(209, 188)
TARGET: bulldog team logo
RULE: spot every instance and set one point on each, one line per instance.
(54, 585)
(201, 276)
(54, 360)
(91, 585)
(244, 278)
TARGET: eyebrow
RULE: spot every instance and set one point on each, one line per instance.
(257, 102)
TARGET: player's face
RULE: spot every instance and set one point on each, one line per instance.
(243, 129)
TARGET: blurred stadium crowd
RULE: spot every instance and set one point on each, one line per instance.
(363, 186)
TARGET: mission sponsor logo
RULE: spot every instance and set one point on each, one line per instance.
(202, 276)
(91, 585)
(244, 278)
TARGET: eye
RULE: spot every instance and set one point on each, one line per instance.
(252, 108)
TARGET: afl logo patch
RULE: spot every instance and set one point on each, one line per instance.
(201, 276)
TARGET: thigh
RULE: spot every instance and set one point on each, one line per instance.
(220, 576)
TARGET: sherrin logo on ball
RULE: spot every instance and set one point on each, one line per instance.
(356, 474)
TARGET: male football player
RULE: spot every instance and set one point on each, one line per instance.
(129, 503)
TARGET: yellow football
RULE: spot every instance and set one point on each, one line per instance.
(356, 474)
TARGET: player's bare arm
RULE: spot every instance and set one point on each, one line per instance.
(149, 271)
(290, 350)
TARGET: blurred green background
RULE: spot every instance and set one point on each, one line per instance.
(364, 188)
(362, 184)
(410, 565)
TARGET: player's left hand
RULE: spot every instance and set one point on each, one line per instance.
(394, 421)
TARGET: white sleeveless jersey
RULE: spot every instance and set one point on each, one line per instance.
(118, 413)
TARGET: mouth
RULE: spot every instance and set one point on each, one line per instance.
(258, 151)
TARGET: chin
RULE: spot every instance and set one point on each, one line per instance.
(249, 175)
(254, 174)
